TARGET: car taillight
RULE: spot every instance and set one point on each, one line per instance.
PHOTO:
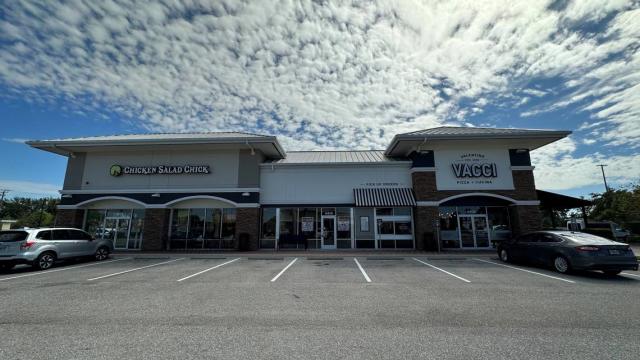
(27, 245)
(587, 248)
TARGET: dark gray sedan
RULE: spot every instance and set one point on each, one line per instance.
(568, 250)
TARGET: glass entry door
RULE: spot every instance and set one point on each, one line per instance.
(473, 231)
(117, 229)
(328, 232)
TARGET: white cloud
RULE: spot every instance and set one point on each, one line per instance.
(557, 167)
(29, 188)
(15, 140)
(330, 75)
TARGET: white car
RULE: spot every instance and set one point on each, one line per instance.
(42, 247)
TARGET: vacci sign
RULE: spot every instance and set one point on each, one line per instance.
(119, 170)
(472, 165)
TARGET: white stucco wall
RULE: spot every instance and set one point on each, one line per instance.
(326, 184)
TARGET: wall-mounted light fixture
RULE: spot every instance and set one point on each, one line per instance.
(521, 151)
(246, 194)
(67, 196)
(155, 195)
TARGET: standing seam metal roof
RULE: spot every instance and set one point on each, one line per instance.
(454, 130)
(163, 136)
(336, 157)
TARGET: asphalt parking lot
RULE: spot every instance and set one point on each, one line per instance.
(370, 306)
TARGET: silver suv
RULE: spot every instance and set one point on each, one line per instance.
(42, 247)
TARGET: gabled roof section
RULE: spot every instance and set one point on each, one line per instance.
(337, 157)
(402, 144)
(268, 144)
(456, 131)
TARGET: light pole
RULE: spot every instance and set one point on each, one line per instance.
(606, 187)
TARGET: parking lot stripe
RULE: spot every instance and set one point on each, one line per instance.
(364, 273)
(525, 270)
(130, 270)
(283, 270)
(209, 269)
(625, 273)
(444, 271)
(61, 269)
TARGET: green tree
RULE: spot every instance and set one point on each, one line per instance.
(621, 205)
(29, 211)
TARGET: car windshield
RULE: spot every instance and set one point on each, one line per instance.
(12, 236)
(584, 237)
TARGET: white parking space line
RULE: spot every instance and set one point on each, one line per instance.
(45, 272)
(528, 271)
(283, 270)
(209, 269)
(135, 269)
(364, 273)
(444, 271)
(625, 273)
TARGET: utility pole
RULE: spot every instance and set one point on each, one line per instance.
(606, 187)
(3, 192)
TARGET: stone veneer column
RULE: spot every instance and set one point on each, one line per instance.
(248, 221)
(69, 218)
(526, 218)
(156, 229)
(424, 219)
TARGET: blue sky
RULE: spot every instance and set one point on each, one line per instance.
(337, 75)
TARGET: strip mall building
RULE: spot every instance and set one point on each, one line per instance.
(452, 187)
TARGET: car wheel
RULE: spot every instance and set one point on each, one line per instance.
(45, 261)
(611, 272)
(561, 264)
(102, 253)
(504, 255)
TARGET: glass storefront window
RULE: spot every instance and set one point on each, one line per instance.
(94, 224)
(308, 226)
(499, 225)
(228, 223)
(448, 219)
(343, 228)
(213, 222)
(122, 226)
(203, 228)
(268, 228)
(179, 226)
(472, 210)
(287, 221)
(402, 211)
(195, 233)
(384, 211)
(135, 233)
(385, 227)
(268, 223)
(402, 227)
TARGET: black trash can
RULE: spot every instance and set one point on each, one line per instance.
(243, 241)
(429, 241)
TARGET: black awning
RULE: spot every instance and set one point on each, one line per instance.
(377, 197)
(549, 200)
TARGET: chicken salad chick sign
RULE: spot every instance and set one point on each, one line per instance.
(119, 170)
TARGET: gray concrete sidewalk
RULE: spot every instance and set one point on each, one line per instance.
(301, 253)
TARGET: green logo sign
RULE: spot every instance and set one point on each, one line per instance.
(116, 170)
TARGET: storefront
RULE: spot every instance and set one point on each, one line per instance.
(447, 187)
